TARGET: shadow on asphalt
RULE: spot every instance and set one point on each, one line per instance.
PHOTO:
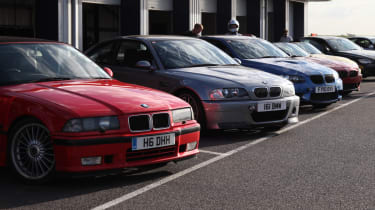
(13, 193)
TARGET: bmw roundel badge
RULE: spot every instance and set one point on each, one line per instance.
(144, 105)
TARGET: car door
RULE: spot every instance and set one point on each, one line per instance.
(125, 68)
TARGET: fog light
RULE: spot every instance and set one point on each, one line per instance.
(91, 161)
(191, 146)
(252, 107)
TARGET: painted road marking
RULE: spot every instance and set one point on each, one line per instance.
(217, 158)
(211, 152)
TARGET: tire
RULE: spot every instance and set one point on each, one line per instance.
(320, 106)
(345, 93)
(195, 103)
(30, 152)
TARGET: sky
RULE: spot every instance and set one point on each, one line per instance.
(341, 17)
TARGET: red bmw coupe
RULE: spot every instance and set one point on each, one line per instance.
(60, 112)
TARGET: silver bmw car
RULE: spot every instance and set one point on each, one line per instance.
(223, 94)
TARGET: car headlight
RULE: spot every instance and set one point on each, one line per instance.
(364, 61)
(92, 124)
(294, 78)
(288, 91)
(180, 115)
(224, 93)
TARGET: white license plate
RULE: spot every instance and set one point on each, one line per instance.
(156, 141)
(271, 106)
(325, 89)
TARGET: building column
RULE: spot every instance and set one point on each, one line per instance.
(194, 13)
(65, 21)
(77, 38)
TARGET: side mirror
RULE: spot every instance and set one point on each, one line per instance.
(144, 65)
(237, 60)
(109, 71)
(371, 46)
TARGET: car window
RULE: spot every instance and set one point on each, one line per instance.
(255, 48)
(130, 52)
(308, 48)
(363, 43)
(318, 44)
(342, 44)
(292, 49)
(103, 54)
(24, 63)
(190, 53)
(220, 45)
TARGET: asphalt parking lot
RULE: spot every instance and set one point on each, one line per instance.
(324, 162)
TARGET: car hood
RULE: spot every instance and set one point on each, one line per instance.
(287, 66)
(230, 76)
(334, 64)
(100, 97)
(337, 58)
(364, 53)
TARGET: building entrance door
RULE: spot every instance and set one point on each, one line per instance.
(100, 22)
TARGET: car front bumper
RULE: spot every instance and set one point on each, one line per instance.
(308, 95)
(238, 114)
(116, 151)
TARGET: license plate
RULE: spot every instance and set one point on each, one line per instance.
(271, 106)
(150, 142)
(325, 89)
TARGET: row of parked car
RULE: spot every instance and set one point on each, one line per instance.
(65, 113)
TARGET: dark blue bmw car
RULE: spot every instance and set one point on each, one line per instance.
(314, 84)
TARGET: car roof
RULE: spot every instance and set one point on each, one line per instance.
(156, 37)
(14, 39)
(324, 37)
(362, 37)
(228, 37)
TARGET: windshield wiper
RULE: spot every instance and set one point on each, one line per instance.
(51, 79)
(269, 56)
(200, 65)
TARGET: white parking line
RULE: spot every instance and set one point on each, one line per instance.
(211, 152)
(219, 157)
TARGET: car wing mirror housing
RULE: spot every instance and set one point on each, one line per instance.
(238, 60)
(144, 65)
(109, 71)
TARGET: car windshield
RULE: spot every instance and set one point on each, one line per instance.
(292, 49)
(25, 63)
(255, 48)
(342, 44)
(308, 48)
(190, 53)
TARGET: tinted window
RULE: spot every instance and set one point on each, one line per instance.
(102, 54)
(292, 49)
(130, 52)
(363, 43)
(308, 48)
(23, 63)
(320, 45)
(220, 45)
(255, 48)
(342, 45)
(190, 53)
